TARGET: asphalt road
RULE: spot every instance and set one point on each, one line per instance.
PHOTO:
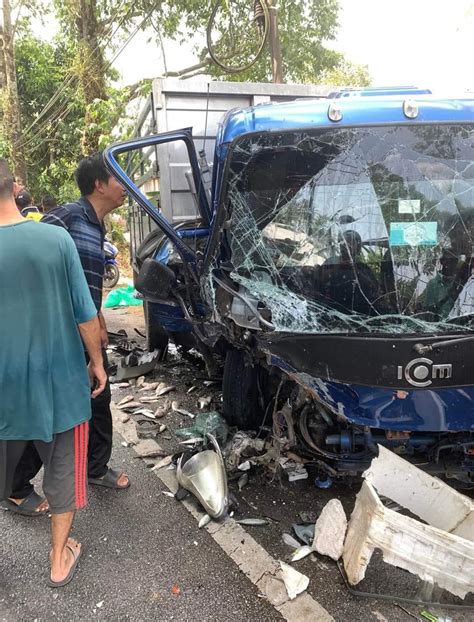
(140, 543)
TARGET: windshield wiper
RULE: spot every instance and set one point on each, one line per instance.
(421, 348)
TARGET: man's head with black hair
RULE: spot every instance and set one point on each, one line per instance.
(89, 170)
(48, 203)
(95, 183)
(6, 180)
(23, 199)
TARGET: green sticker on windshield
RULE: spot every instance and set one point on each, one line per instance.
(413, 233)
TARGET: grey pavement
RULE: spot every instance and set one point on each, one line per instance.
(139, 544)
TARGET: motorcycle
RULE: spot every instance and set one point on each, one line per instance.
(111, 268)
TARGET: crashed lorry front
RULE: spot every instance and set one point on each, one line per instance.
(332, 266)
(341, 262)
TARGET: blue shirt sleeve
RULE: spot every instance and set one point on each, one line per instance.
(83, 305)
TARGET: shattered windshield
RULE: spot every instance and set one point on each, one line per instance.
(355, 229)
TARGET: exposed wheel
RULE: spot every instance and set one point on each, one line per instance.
(156, 336)
(111, 276)
(240, 392)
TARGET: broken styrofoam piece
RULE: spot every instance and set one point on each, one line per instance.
(330, 530)
(434, 554)
(424, 495)
(295, 582)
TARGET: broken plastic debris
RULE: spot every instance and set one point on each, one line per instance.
(204, 475)
(245, 466)
(295, 582)
(204, 402)
(304, 532)
(438, 552)
(301, 552)
(330, 530)
(205, 520)
(206, 423)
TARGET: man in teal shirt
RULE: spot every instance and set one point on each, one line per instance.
(45, 386)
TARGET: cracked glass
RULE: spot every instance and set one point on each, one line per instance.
(353, 229)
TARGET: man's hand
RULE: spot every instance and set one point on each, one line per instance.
(97, 377)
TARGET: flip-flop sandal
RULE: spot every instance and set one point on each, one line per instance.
(109, 480)
(72, 570)
(27, 507)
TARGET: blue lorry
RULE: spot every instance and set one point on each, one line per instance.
(329, 268)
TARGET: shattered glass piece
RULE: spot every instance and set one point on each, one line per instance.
(352, 229)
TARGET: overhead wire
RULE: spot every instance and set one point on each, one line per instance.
(71, 77)
(65, 111)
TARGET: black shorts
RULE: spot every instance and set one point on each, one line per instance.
(65, 468)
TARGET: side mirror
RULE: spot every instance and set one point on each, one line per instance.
(155, 280)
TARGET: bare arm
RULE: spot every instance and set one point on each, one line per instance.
(90, 333)
(104, 337)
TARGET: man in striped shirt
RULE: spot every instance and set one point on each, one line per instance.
(84, 220)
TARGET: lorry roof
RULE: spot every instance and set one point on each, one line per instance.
(313, 113)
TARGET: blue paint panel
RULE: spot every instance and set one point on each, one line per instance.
(356, 111)
(440, 410)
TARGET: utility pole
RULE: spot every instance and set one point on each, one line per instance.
(11, 117)
(275, 48)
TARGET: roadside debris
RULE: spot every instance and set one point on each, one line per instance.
(301, 552)
(295, 582)
(176, 408)
(304, 532)
(252, 522)
(129, 405)
(204, 475)
(294, 470)
(205, 423)
(243, 481)
(124, 418)
(290, 541)
(330, 530)
(164, 389)
(163, 463)
(125, 400)
(204, 402)
(205, 520)
(438, 552)
(135, 364)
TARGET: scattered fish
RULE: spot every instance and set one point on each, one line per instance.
(156, 453)
(140, 381)
(209, 383)
(254, 522)
(164, 390)
(125, 400)
(301, 552)
(204, 402)
(120, 385)
(130, 406)
(124, 418)
(192, 389)
(160, 412)
(175, 407)
(145, 412)
(243, 480)
(162, 463)
(290, 541)
(168, 493)
(149, 386)
(148, 399)
(205, 520)
(192, 441)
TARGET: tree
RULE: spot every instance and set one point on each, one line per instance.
(11, 117)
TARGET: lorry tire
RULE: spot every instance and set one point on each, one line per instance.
(156, 336)
(240, 392)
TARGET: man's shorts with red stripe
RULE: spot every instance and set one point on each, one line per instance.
(65, 468)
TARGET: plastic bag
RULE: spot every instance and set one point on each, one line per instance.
(206, 423)
(122, 297)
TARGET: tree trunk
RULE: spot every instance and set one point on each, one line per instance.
(93, 68)
(11, 112)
